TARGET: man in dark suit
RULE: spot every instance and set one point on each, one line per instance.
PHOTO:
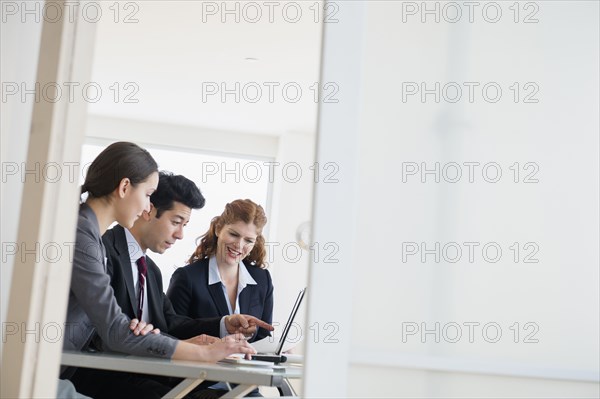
(137, 284)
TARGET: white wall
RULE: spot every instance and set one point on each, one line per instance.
(330, 294)
(19, 50)
(559, 214)
(292, 207)
(386, 382)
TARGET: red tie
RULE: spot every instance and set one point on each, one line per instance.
(142, 270)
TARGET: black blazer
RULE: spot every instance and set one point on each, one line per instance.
(161, 311)
(192, 296)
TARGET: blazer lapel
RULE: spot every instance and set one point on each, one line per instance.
(154, 297)
(125, 261)
(216, 292)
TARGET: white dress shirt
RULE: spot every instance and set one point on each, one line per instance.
(244, 279)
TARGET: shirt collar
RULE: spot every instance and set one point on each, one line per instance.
(244, 277)
(135, 252)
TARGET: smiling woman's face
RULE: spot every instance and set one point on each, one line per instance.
(235, 242)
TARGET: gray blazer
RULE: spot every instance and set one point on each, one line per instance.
(92, 305)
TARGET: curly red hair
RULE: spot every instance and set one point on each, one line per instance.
(243, 210)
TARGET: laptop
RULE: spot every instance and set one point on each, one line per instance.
(277, 357)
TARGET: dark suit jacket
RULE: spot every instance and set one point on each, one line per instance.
(161, 311)
(192, 296)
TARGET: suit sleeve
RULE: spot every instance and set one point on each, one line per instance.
(180, 326)
(90, 285)
(184, 327)
(180, 292)
(267, 315)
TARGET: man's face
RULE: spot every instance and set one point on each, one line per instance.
(160, 234)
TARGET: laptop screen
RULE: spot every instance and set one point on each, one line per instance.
(290, 321)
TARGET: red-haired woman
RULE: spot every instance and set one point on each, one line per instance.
(226, 274)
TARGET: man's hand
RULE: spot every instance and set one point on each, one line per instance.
(245, 324)
(141, 327)
(202, 339)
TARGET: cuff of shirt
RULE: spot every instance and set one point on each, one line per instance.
(223, 330)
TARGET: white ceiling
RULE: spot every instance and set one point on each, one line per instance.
(171, 52)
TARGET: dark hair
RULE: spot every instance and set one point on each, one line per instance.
(175, 188)
(118, 161)
(238, 210)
